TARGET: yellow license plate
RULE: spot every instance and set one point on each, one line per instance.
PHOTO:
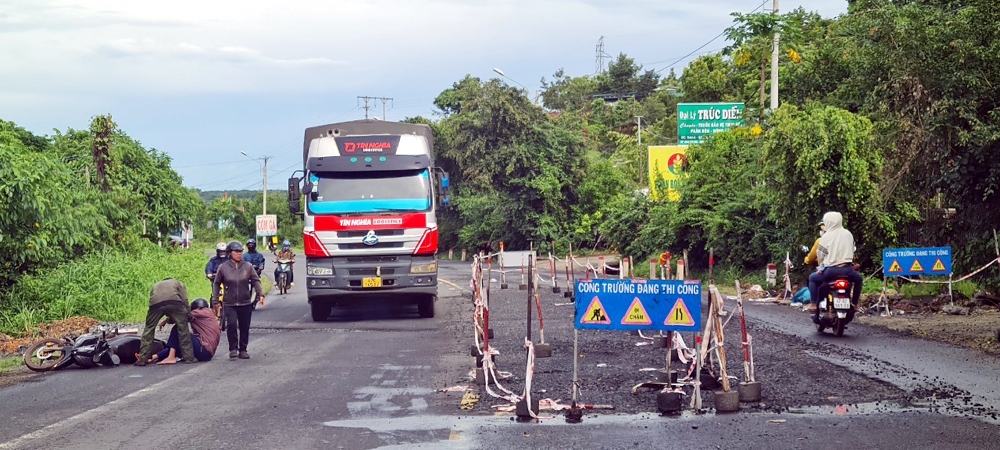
(372, 282)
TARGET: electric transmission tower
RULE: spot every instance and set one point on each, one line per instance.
(601, 55)
(367, 99)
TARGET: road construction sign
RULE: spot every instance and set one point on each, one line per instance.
(595, 313)
(636, 314)
(624, 304)
(679, 315)
(919, 261)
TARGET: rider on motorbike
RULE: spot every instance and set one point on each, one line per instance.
(286, 254)
(816, 277)
(213, 263)
(836, 254)
(252, 256)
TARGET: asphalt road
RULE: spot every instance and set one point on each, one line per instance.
(369, 378)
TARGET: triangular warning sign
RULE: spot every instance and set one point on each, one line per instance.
(916, 267)
(595, 313)
(679, 315)
(938, 266)
(894, 267)
(636, 314)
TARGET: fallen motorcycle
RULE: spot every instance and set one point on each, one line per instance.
(87, 350)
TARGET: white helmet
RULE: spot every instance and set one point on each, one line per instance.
(220, 247)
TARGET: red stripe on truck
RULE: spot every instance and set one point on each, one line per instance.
(341, 223)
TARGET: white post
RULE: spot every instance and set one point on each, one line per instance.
(774, 66)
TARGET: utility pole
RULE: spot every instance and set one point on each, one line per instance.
(265, 158)
(368, 98)
(774, 65)
(638, 120)
(600, 56)
(383, 106)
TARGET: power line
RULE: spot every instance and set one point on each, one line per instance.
(705, 44)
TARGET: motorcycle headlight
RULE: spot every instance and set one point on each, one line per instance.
(424, 268)
(318, 271)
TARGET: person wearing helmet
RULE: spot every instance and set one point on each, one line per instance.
(286, 253)
(816, 277)
(239, 278)
(254, 257)
(204, 337)
(221, 255)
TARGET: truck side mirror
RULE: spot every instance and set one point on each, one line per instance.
(293, 195)
(444, 197)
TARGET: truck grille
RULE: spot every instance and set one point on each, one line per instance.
(359, 245)
(371, 259)
(370, 271)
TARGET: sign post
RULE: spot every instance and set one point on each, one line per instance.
(267, 225)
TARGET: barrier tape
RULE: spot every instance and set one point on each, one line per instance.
(954, 281)
(528, 372)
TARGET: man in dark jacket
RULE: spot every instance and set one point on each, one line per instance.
(252, 256)
(167, 298)
(214, 262)
(238, 277)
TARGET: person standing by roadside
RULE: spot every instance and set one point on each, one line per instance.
(167, 298)
(238, 277)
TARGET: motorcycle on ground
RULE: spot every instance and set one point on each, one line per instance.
(87, 350)
(284, 274)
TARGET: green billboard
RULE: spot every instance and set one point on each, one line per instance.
(695, 120)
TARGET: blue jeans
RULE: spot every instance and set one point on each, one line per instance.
(815, 279)
(831, 273)
(174, 342)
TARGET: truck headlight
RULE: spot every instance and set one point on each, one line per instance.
(318, 271)
(424, 268)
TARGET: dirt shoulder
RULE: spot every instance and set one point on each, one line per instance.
(971, 323)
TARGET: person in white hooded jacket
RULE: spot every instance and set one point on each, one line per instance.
(836, 255)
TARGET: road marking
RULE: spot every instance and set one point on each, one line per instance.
(450, 283)
(18, 442)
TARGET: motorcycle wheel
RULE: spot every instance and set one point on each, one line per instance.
(282, 285)
(838, 328)
(45, 355)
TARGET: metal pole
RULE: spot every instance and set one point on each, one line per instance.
(265, 183)
(531, 286)
(576, 361)
(774, 66)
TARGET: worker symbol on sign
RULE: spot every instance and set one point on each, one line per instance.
(894, 267)
(595, 313)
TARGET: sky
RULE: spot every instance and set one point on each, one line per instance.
(206, 80)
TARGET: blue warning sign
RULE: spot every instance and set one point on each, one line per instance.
(916, 261)
(668, 305)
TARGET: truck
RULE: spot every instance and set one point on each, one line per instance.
(371, 193)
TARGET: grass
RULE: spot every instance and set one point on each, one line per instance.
(10, 364)
(107, 286)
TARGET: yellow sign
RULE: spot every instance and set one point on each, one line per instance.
(916, 267)
(938, 266)
(894, 267)
(679, 315)
(636, 314)
(666, 169)
(596, 313)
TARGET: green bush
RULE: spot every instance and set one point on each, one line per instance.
(108, 286)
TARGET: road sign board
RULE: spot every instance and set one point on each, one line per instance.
(609, 304)
(697, 120)
(916, 261)
(267, 225)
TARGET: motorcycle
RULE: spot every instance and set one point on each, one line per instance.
(86, 350)
(836, 310)
(284, 274)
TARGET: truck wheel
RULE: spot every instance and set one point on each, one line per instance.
(425, 306)
(320, 311)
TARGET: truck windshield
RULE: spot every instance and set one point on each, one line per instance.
(370, 192)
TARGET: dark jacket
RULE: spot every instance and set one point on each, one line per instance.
(214, 263)
(238, 279)
(255, 259)
(168, 292)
